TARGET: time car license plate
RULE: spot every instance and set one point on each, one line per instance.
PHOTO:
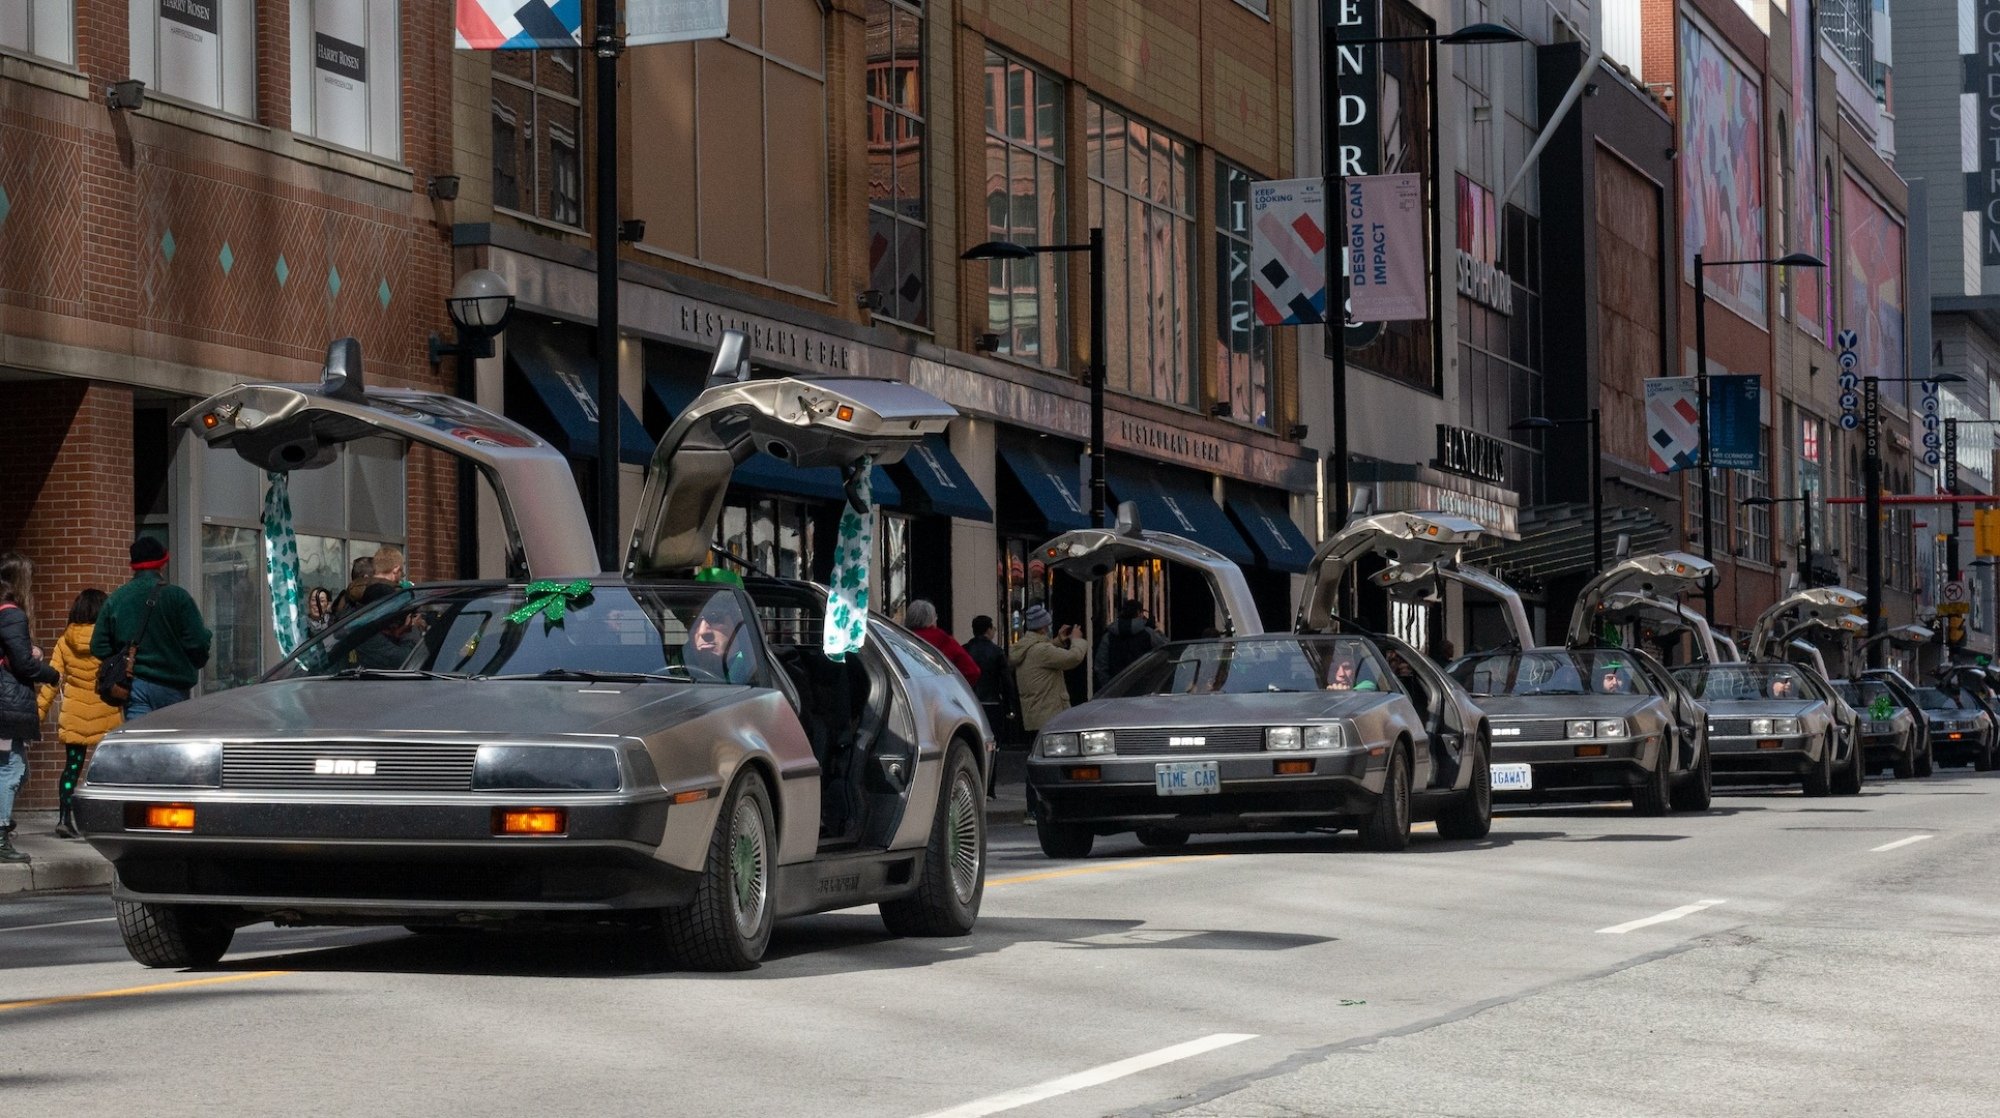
(1186, 778)
(1513, 778)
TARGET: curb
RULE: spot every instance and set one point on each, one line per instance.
(45, 875)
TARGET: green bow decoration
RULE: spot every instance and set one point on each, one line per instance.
(551, 600)
(1881, 708)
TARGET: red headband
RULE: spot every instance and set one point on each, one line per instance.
(150, 564)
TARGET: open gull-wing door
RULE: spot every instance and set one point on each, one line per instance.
(1414, 538)
(803, 421)
(1823, 606)
(1635, 605)
(1413, 582)
(287, 427)
(1089, 554)
(1662, 574)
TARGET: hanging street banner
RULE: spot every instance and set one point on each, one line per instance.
(1385, 245)
(674, 21)
(1850, 380)
(1287, 244)
(1735, 429)
(1672, 433)
(520, 24)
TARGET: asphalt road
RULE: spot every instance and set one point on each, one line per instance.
(1775, 956)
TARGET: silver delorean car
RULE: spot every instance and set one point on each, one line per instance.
(649, 746)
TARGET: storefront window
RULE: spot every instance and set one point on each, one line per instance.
(45, 27)
(1025, 204)
(1140, 195)
(537, 122)
(1243, 348)
(773, 535)
(347, 73)
(892, 581)
(898, 231)
(205, 53)
(232, 602)
(1024, 582)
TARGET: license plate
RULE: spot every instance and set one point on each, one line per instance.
(1513, 778)
(1186, 778)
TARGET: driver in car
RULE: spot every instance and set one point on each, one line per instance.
(1612, 680)
(716, 651)
(1781, 687)
(1343, 676)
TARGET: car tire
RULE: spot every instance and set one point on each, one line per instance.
(1926, 764)
(1982, 761)
(172, 937)
(1655, 796)
(1064, 840)
(1161, 838)
(1387, 828)
(1819, 782)
(1696, 790)
(1905, 763)
(946, 900)
(1469, 815)
(728, 924)
(1850, 780)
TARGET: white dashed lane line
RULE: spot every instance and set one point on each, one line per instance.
(1660, 918)
(1899, 842)
(1010, 1100)
(58, 924)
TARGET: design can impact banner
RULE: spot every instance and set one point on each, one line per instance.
(1385, 244)
(1287, 250)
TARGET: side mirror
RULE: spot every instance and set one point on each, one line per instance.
(341, 377)
(728, 365)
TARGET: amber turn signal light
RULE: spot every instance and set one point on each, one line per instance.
(533, 821)
(169, 817)
(210, 421)
(1294, 768)
(1590, 751)
(844, 413)
(1768, 743)
(1084, 772)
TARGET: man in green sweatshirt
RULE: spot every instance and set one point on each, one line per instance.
(173, 642)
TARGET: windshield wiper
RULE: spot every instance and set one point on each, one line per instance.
(392, 673)
(579, 675)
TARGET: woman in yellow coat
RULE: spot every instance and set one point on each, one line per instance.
(85, 718)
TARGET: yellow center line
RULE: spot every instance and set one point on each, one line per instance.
(1105, 867)
(63, 999)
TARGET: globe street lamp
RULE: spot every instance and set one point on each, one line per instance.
(480, 304)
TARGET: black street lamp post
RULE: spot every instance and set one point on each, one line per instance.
(1333, 173)
(480, 305)
(1539, 423)
(1792, 260)
(1009, 250)
(1804, 501)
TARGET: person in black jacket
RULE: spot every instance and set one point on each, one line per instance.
(995, 687)
(20, 721)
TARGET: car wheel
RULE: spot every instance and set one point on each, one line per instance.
(1819, 782)
(1388, 826)
(1156, 836)
(1982, 761)
(1655, 796)
(946, 900)
(1850, 780)
(1925, 764)
(1696, 790)
(172, 936)
(1905, 763)
(728, 924)
(1063, 840)
(1469, 815)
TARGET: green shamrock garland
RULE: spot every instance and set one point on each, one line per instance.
(281, 563)
(551, 599)
(1881, 709)
(847, 606)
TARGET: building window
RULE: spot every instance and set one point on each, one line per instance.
(898, 231)
(347, 74)
(1753, 523)
(537, 122)
(43, 27)
(1139, 196)
(1243, 349)
(1025, 203)
(204, 51)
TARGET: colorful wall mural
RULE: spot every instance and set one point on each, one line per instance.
(1871, 267)
(1722, 172)
(1808, 285)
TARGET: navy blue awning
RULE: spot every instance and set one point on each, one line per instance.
(567, 387)
(1051, 482)
(934, 482)
(1173, 502)
(1270, 530)
(763, 472)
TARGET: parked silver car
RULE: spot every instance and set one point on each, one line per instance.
(1774, 720)
(654, 747)
(1961, 730)
(1892, 730)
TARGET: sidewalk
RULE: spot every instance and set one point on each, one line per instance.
(58, 863)
(69, 864)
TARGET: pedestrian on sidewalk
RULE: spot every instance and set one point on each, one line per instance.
(1125, 641)
(83, 717)
(360, 574)
(922, 618)
(995, 688)
(25, 670)
(162, 620)
(1039, 662)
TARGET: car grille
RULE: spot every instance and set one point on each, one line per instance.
(1214, 739)
(398, 766)
(1550, 730)
(1729, 727)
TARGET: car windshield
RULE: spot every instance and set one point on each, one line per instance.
(1864, 694)
(1743, 682)
(1933, 698)
(1581, 672)
(1255, 665)
(689, 633)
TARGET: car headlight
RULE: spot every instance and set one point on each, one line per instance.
(1760, 727)
(1093, 742)
(1582, 728)
(177, 764)
(545, 768)
(1328, 735)
(1057, 745)
(1611, 727)
(1782, 726)
(1283, 737)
